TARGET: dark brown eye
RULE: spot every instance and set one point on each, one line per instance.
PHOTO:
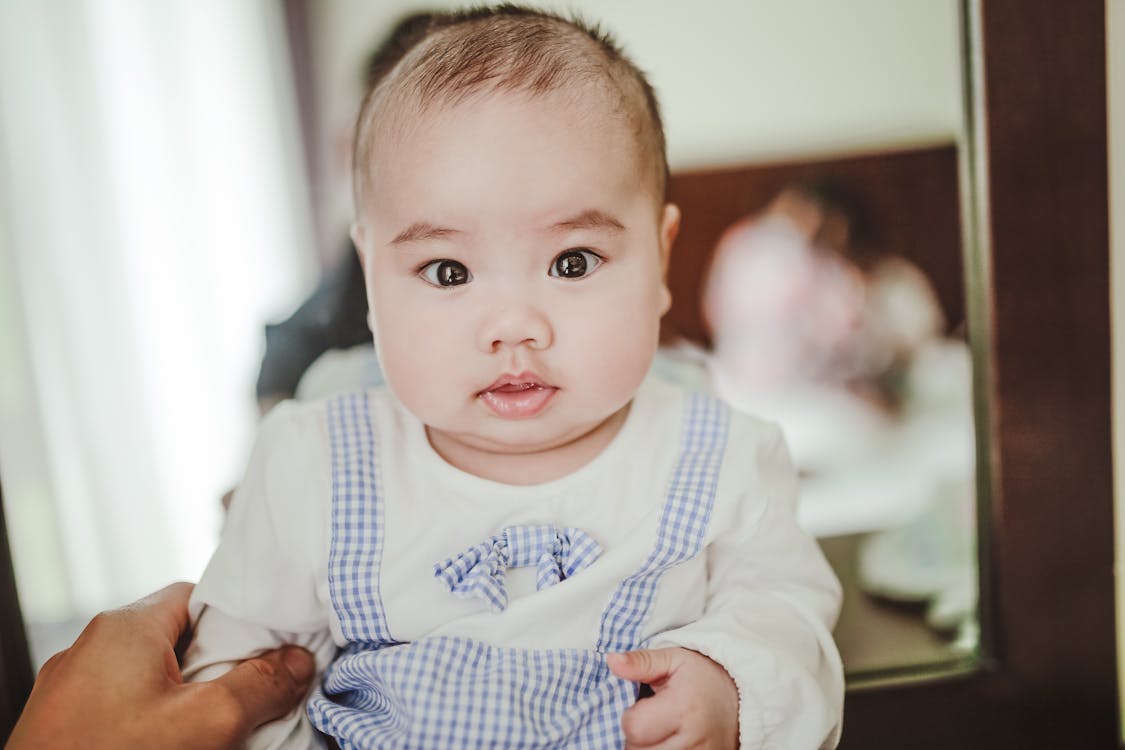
(574, 264)
(446, 273)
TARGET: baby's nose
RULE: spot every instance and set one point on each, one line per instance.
(515, 324)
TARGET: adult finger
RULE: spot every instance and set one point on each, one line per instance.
(645, 665)
(650, 721)
(267, 687)
(166, 611)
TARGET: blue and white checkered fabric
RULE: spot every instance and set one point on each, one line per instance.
(357, 520)
(449, 693)
(683, 522)
(452, 693)
(479, 570)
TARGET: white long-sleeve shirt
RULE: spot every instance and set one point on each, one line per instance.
(760, 599)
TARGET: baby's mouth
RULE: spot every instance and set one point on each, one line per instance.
(517, 396)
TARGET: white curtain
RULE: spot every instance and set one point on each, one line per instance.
(152, 218)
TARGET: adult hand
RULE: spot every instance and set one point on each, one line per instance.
(694, 702)
(119, 685)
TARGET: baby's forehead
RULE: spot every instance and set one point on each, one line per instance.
(588, 105)
(404, 126)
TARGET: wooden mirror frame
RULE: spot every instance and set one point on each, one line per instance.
(1049, 672)
(1049, 677)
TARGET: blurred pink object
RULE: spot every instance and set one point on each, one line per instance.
(782, 310)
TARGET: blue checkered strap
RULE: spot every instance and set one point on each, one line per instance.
(683, 522)
(357, 520)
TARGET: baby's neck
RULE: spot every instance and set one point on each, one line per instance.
(528, 467)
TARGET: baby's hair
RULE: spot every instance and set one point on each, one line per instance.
(508, 48)
(407, 31)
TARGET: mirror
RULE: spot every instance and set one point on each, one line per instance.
(864, 105)
(876, 403)
(116, 450)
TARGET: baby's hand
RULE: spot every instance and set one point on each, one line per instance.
(694, 702)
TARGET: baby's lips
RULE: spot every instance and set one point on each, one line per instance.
(516, 382)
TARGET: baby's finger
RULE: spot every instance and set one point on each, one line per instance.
(675, 742)
(650, 721)
(644, 665)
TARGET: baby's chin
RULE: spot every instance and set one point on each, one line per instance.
(513, 438)
(526, 451)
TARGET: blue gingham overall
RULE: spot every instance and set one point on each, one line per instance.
(445, 693)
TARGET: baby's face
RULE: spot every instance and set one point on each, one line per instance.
(514, 256)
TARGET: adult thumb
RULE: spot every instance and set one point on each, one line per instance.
(271, 685)
(646, 665)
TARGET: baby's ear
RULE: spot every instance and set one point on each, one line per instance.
(669, 228)
(359, 236)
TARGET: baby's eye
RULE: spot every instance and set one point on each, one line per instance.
(573, 264)
(445, 273)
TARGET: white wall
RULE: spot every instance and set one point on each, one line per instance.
(738, 81)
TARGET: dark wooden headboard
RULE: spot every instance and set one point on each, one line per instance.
(910, 196)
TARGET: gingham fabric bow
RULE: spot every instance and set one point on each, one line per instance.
(479, 570)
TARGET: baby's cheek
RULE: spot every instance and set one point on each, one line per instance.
(626, 358)
(405, 348)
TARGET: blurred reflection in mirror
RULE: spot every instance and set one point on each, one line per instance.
(815, 325)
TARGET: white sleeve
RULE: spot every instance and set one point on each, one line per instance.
(771, 604)
(262, 587)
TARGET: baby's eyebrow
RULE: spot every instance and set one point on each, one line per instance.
(422, 230)
(591, 218)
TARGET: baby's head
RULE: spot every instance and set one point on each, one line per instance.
(515, 50)
(509, 185)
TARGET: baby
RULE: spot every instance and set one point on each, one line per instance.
(501, 547)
